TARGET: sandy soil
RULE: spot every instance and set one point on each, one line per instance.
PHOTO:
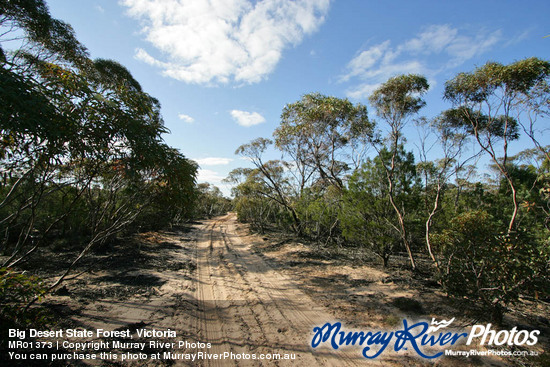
(245, 293)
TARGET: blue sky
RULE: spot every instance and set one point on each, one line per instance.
(224, 69)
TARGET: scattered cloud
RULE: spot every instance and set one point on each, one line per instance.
(221, 41)
(247, 119)
(186, 118)
(142, 55)
(435, 49)
(434, 39)
(213, 161)
(99, 8)
(519, 37)
(206, 175)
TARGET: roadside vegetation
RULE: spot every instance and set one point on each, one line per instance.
(347, 180)
(82, 159)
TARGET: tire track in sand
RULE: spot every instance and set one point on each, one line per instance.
(247, 306)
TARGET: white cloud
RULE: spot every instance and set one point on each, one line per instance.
(437, 48)
(366, 60)
(186, 118)
(464, 48)
(362, 91)
(247, 119)
(434, 39)
(142, 55)
(206, 175)
(213, 161)
(222, 41)
(518, 37)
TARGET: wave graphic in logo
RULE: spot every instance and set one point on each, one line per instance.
(439, 325)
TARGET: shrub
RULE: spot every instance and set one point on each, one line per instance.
(483, 262)
(16, 291)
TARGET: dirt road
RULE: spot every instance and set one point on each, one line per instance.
(209, 286)
(246, 306)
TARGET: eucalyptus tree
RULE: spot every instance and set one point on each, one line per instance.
(31, 124)
(323, 138)
(396, 102)
(255, 201)
(437, 174)
(492, 251)
(493, 101)
(106, 125)
(367, 215)
(318, 132)
(270, 177)
(210, 201)
(29, 24)
(81, 141)
(34, 129)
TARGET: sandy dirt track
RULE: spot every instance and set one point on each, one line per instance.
(209, 286)
(246, 306)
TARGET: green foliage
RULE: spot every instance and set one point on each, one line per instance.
(81, 151)
(316, 130)
(268, 180)
(261, 196)
(318, 211)
(481, 247)
(210, 201)
(485, 263)
(261, 213)
(400, 97)
(474, 122)
(33, 18)
(16, 291)
(492, 101)
(367, 216)
(514, 80)
(396, 102)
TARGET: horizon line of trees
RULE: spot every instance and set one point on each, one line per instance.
(486, 240)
